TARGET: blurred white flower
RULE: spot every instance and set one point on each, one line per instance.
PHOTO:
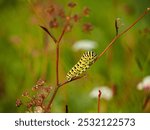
(106, 92)
(144, 84)
(84, 45)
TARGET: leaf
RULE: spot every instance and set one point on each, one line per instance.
(46, 30)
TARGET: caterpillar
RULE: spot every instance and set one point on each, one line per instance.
(87, 59)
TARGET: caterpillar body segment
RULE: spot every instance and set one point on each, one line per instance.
(87, 59)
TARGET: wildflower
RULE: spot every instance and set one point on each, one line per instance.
(84, 45)
(106, 92)
(144, 84)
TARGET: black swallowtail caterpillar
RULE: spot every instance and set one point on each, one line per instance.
(84, 63)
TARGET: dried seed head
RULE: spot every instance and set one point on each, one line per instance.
(69, 27)
(68, 18)
(40, 82)
(51, 10)
(25, 94)
(72, 4)
(36, 87)
(47, 89)
(18, 103)
(42, 96)
(54, 23)
(38, 102)
(87, 27)
(118, 24)
(29, 105)
(76, 18)
(61, 13)
(86, 11)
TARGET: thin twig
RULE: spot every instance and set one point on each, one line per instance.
(57, 64)
(57, 54)
(63, 32)
(117, 36)
(66, 82)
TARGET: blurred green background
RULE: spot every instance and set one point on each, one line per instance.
(27, 54)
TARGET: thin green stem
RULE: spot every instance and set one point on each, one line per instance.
(51, 100)
(119, 35)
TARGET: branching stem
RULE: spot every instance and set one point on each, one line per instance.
(58, 85)
(119, 35)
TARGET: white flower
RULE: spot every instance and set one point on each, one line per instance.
(84, 45)
(145, 84)
(106, 92)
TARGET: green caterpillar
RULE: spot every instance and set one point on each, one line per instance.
(83, 64)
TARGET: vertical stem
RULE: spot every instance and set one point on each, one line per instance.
(57, 64)
(57, 69)
(57, 55)
(66, 109)
(99, 95)
(116, 26)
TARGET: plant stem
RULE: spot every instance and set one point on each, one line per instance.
(51, 100)
(66, 110)
(57, 54)
(62, 34)
(99, 96)
(57, 58)
(57, 88)
(57, 64)
(118, 35)
(66, 82)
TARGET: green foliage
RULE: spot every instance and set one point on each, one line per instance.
(26, 56)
